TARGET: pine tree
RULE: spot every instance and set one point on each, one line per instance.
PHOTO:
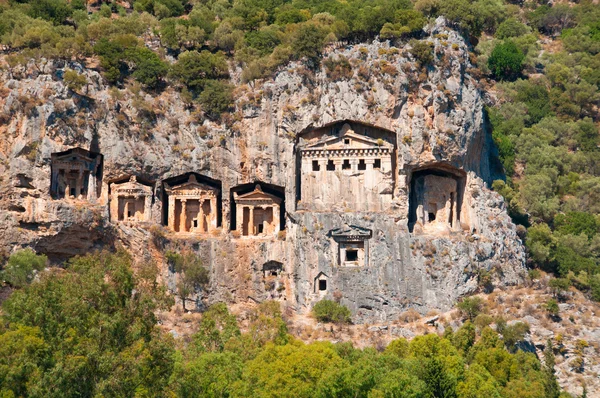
(550, 384)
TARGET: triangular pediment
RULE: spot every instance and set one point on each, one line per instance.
(191, 185)
(349, 140)
(131, 185)
(257, 194)
(351, 232)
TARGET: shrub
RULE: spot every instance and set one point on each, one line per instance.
(559, 285)
(470, 307)
(422, 51)
(506, 61)
(74, 80)
(21, 266)
(552, 307)
(216, 98)
(330, 311)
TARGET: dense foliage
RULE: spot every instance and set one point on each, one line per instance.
(91, 330)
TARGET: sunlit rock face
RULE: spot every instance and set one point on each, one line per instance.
(372, 189)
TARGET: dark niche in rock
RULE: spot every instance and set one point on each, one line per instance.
(436, 199)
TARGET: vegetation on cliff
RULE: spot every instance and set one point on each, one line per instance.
(91, 330)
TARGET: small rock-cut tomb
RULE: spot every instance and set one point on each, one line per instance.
(130, 201)
(353, 245)
(192, 207)
(257, 213)
(342, 168)
(76, 174)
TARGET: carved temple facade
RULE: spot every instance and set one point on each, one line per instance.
(257, 213)
(76, 174)
(192, 207)
(130, 201)
(343, 169)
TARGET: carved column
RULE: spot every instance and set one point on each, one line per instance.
(200, 217)
(213, 212)
(183, 217)
(78, 183)
(251, 221)
(147, 207)
(171, 216)
(276, 220)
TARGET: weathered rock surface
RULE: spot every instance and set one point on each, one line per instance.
(438, 120)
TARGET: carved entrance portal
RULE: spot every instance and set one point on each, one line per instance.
(257, 213)
(130, 201)
(192, 207)
(76, 174)
(353, 245)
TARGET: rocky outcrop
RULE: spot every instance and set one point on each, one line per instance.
(434, 113)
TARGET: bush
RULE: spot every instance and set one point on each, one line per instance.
(552, 307)
(216, 98)
(74, 80)
(330, 311)
(21, 266)
(470, 307)
(422, 51)
(506, 61)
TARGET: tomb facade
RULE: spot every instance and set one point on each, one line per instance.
(76, 174)
(130, 201)
(257, 213)
(353, 245)
(192, 207)
(342, 169)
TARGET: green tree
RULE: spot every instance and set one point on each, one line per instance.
(308, 41)
(330, 311)
(194, 69)
(506, 61)
(217, 327)
(74, 80)
(22, 266)
(216, 98)
(192, 275)
(422, 51)
(100, 323)
(470, 307)
(551, 386)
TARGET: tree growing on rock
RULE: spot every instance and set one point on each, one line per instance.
(192, 275)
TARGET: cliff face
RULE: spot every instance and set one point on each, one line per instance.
(431, 119)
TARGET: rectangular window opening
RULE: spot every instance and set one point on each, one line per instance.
(315, 165)
(346, 165)
(347, 141)
(351, 255)
(322, 285)
(377, 164)
(362, 165)
(261, 228)
(330, 165)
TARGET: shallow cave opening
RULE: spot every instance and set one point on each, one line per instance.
(418, 193)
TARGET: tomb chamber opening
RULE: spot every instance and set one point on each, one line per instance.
(257, 209)
(192, 204)
(76, 174)
(346, 165)
(436, 199)
(130, 200)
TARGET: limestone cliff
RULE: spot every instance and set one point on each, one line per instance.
(398, 254)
